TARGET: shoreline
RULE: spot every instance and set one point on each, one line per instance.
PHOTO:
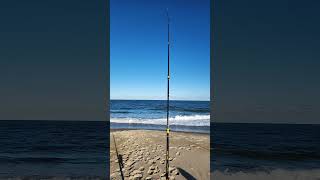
(160, 127)
(158, 130)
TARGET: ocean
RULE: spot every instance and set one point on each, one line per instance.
(79, 149)
(189, 116)
(265, 151)
(54, 149)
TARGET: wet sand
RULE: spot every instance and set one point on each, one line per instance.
(142, 153)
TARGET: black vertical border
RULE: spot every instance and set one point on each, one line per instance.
(107, 87)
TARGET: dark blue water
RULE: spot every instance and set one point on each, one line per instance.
(151, 114)
(264, 147)
(80, 149)
(54, 149)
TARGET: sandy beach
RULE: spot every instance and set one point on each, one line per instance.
(142, 154)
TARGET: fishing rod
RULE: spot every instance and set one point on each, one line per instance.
(168, 79)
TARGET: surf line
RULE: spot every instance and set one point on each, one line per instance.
(168, 83)
(118, 157)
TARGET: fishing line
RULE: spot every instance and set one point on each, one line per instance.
(168, 130)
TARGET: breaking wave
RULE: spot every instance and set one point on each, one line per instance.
(192, 120)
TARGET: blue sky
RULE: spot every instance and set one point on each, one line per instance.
(138, 47)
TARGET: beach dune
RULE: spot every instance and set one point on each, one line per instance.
(141, 155)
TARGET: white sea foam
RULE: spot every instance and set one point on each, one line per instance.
(278, 174)
(193, 120)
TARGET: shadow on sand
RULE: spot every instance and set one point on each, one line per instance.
(120, 161)
(186, 174)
